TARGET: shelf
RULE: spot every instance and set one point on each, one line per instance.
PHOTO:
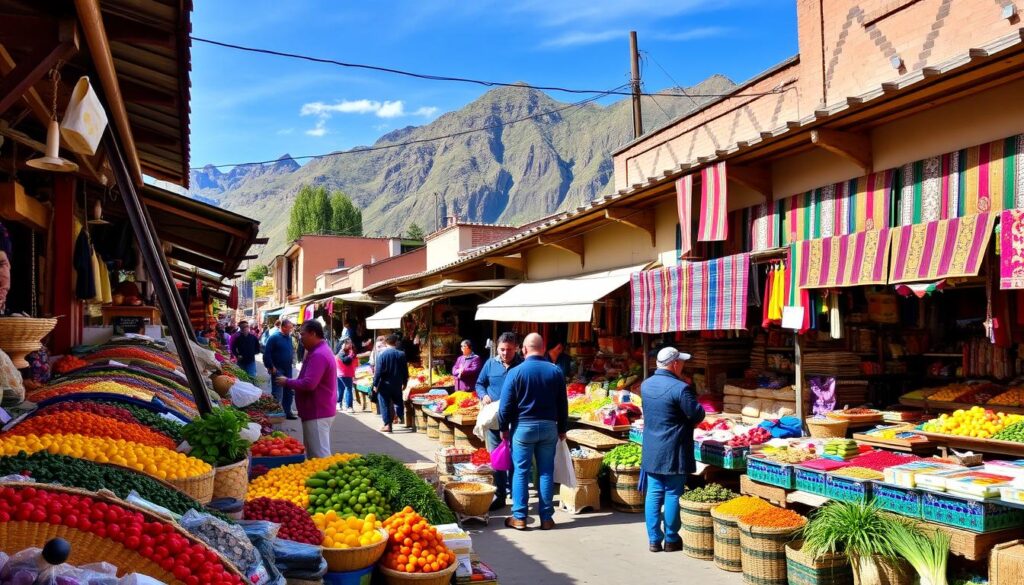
(779, 349)
(943, 355)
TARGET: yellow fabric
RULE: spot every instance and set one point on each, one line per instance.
(106, 294)
(96, 278)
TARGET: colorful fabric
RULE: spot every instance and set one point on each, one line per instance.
(940, 249)
(921, 289)
(684, 196)
(841, 208)
(848, 260)
(713, 192)
(1011, 257)
(697, 296)
(764, 233)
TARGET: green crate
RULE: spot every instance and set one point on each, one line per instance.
(770, 472)
(720, 455)
(902, 500)
(969, 514)
(811, 481)
(848, 489)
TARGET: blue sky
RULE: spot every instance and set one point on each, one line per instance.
(248, 107)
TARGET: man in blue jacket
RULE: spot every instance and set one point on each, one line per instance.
(390, 375)
(278, 356)
(671, 412)
(534, 413)
(488, 388)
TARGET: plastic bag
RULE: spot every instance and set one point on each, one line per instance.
(243, 394)
(295, 556)
(262, 534)
(565, 473)
(229, 540)
(135, 498)
(487, 419)
(501, 457)
(250, 433)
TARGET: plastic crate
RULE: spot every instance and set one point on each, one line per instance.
(770, 472)
(969, 514)
(810, 481)
(720, 455)
(902, 500)
(848, 489)
(273, 462)
(636, 436)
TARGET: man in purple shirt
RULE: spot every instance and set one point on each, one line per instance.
(316, 390)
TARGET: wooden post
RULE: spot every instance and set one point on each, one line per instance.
(644, 340)
(798, 372)
(430, 345)
(63, 302)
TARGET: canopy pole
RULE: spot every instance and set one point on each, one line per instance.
(644, 342)
(798, 372)
(430, 343)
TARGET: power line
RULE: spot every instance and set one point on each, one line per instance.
(421, 140)
(432, 77)
(648, 55)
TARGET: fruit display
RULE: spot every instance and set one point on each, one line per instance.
(266, 404)
(623, 457)
(841, 448)
(277, 444)
(158, 541)
(91, 425)
(481, 457)
(296, 525)
(708, 494)
(880, 460)
(155, 461)
(347, 489)
(1012, 397)
(755, 436)
(351, 532)
(741, 506)
(414, 546)
(288, 482)
(455, 399)
(125, 353)
(581, 405)
(68, 363)
(402, 488)
(1014, 432)
(949, 394)
(974, 422)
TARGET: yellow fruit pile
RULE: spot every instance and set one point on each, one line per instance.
(348, 532)
(976, 422)
(158, 462)
(289, 481)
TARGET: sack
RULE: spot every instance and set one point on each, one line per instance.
(486, 420)
(243, 394)
(501, 457)
(565, 473)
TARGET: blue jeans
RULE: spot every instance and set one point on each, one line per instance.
(390, 403)
(249, 368)
(663, 491)
(534, 439)
(283, 395)
(502, 479)
(345, 392)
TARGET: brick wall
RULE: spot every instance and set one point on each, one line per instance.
(483, 235)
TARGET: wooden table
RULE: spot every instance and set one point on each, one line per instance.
(146, 312)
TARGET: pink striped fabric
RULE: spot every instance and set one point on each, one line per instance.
(855, 259)
(697, 296)
(684, 195)
(713, 206)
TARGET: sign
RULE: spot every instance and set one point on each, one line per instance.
(792, 317)
(125, 324)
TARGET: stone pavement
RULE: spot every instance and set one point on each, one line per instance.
(599, 548)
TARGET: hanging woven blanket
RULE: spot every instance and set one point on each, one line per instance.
(696, 296)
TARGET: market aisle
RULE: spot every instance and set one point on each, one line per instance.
(602, 548)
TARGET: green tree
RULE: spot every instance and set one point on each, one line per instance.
(346, 218)
(311, 213)
(257, 273)
(415, 232)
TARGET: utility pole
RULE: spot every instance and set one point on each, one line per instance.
(634, 57)
(437, 209)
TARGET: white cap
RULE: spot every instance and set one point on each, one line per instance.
(667, 355)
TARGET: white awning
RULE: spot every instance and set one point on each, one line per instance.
(359, 298)
(450, 288)
(390, 317)
(565, 300)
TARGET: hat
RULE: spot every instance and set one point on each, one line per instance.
(667, 355)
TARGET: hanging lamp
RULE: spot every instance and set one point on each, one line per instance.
(97, 213)
(52, 161)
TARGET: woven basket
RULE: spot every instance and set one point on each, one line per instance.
(763, 553)
(199, 487)
(727, 542)
(804, 569)
(231, 481)
(20, 336)
(421, 421)
(587, 467)
(467, 440)
(878, 570)
(469, 498)
(827, 428)
(625, 493)
(446, 434)
(392, 577)
(433, 428)
(357, 558)
(698, 530)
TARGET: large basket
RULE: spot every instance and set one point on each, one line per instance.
(878, 570)
(466, 439)
(763, 553)
(625, 492)
(698, 531)
(392, 577)
(469, 497)
(20, 336)
(827, 428)
(433, 428)
(198, 487)
(588, 467)
(340, 560)
(727, 542)
(446, 434)
(231, 481)
(827, 569)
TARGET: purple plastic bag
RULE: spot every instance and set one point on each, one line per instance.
(501, 457)
(824, 390)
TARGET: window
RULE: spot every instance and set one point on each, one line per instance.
(341, 262)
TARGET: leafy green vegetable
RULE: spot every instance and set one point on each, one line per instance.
(402, 487)
(854, 529)
(151, 419)
(710, 493)
(214, 436)
(928, 555)
(627, 455)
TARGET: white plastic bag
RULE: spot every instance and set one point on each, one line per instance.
(486, 420)
(250, 433)
(565, 474)
(243, 394)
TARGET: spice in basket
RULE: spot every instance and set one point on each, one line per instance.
(741, 506)
(708, 494)
(772, 517)
(414, 546)
(855, 472)
(349, 532)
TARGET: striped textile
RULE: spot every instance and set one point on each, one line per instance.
(1011, 253)
(697, 296)
(684, 197)
(764, 233)
(841, 208)
(940, 249)
(713, 204)
(847, 260)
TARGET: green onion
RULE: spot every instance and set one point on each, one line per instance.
(928, 555)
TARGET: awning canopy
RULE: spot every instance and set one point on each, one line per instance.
(947, 248)
(449, 288)
(390, 317)
(359, 298)
(272, 313)
(565, 300)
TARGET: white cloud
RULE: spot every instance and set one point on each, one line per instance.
(385, 109)
(580, 38)
(563, 12)
(320, 129)
(692, 34)
(425, 111)
(394, 109)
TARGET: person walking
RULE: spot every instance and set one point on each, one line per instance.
(279, 358)
(488, 389)
(390, 375)
(316, 390)
(534, 412)
(347, 362)
(245, 347)
(671, 412)
(557, 356)
(467, 368)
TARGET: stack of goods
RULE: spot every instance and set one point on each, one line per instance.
(907, 474)
(880, 460)
(841, 364)
(1014, 396)
(277, 444)
(841, 449)
(981, 358)
(717, 352)
(855, 472)
(850, 392)
(975, 422)
(758, 359)
(979, 484)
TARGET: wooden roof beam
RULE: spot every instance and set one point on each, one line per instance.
(196, 218)
(855, 148)
(136, 93)
(512, 262)
(641, 219)
(132, 32)
(756, 178)
(573, 244)
(17, 81)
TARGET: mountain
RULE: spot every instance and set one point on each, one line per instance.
(533, 156)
